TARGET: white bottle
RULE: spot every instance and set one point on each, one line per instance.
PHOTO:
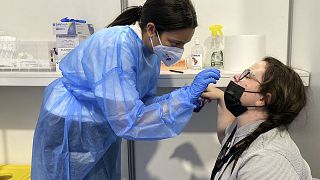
(196, 61)
(2, 44)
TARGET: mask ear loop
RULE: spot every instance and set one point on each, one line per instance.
(255, 93)
(159, 38)
(162, 47)
(151, 42)
(252, 92)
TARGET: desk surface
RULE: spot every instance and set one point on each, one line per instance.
(166, 79)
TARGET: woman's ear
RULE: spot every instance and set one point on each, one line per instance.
(268, 98)
(264, 100)
(151, 29)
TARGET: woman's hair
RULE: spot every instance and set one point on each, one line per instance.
(285, 96)
(167, 15)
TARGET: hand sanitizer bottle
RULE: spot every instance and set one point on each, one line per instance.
(217, 46)
(196, 55)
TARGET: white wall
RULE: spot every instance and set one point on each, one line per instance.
(306, 55)
(243, 17)
(19, 110)
(32, 19)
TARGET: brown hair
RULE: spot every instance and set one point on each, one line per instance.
(167, 15)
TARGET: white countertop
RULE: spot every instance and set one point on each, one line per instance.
(167, 78)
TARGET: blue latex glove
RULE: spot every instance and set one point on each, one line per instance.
(200, 103)
(72, 20)
(201, 82)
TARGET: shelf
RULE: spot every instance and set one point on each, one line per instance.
(171, 79)
(167, 79)
(27, 78)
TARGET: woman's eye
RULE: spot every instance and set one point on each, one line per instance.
(248, 76)
(174, 44)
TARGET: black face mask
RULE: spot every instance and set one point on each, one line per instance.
(232, 97)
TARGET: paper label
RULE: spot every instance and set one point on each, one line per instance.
(196, 60)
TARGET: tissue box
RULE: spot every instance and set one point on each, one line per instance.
(72, 28)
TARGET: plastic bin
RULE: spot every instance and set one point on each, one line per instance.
(29, 56)
(15, 172)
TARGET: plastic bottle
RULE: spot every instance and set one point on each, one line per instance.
(196, 55)
(2, 44)
(217, 46)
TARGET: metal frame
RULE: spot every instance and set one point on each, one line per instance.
(130, 144)
(131, 160)
(290, 27)
(124, 4)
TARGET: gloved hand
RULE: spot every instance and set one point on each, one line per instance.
(201, 81)
(200, 103)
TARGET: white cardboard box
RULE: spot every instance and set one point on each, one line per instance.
(65, 41)
(63, 52)
(72, 28)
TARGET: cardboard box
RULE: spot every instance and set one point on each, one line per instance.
(65, 41)
(68, 36)
(72, 28)
(63, 52)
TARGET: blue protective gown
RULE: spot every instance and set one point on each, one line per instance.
(107, 92)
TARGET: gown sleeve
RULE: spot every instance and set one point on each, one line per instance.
(151, 97)
(113, 80)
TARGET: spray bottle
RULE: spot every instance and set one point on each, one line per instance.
(217, 46)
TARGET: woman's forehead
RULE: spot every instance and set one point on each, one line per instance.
(259, 68)
(183, 35)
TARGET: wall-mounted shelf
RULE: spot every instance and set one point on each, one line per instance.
(167, 79)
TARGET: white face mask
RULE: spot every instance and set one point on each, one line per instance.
(168, 55)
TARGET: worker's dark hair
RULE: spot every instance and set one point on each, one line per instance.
(285, 96)
(167, 15)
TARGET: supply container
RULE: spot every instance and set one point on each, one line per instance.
(12, 172)
(216, 47)
(196, 59)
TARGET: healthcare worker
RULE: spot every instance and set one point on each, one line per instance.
(108, 90)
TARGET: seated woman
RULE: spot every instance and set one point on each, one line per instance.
(254, 113)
